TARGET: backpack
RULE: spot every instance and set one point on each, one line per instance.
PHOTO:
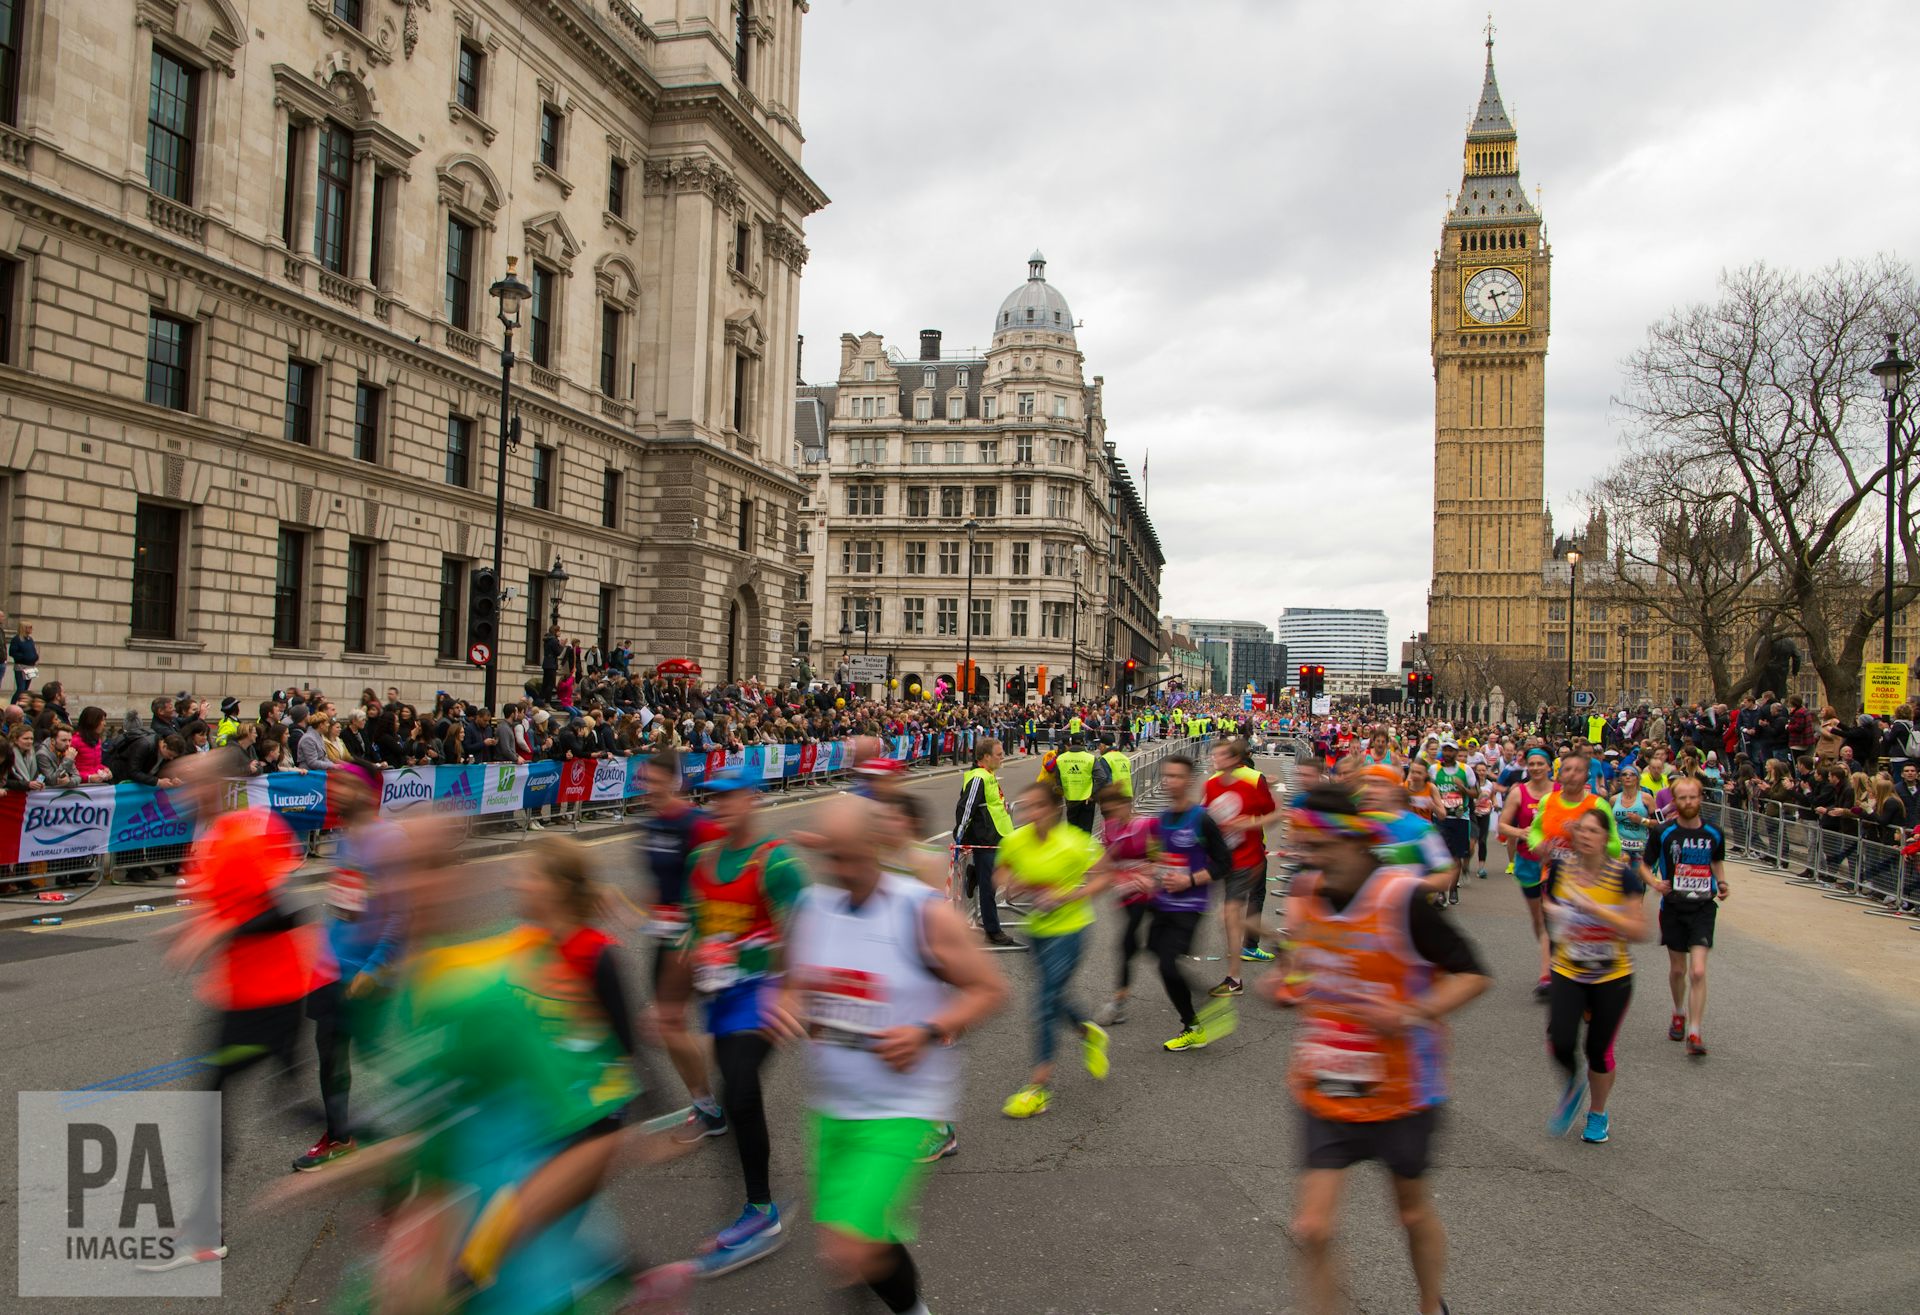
(121, 752)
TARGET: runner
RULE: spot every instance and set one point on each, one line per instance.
(1241, 802)
(1456, 785)
(1198, 857)
(365, 935)
(1516, 825)
(1064, 868)
(257, 961)
(741, 890)
(670, 830)
(884, 977)
(1133, 848)
(1369, 1065)
(1686, 862)
(980, 823)
(1595, 904)
(1633, 813)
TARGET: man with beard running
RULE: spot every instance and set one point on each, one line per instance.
(1685, 861)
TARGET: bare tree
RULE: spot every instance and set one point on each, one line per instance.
(1761, 405)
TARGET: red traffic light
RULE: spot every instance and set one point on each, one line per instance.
(1413, 678)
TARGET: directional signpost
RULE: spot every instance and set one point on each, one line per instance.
(1583, 698)
(867, 668)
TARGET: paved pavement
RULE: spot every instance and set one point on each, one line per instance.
(1774, 1176)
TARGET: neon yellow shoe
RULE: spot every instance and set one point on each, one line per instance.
(1094, 1051)
(1192, 1038)
(1025, 1103)
(1218, 1018)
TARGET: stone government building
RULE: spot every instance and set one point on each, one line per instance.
(902, 454)
(250, 361)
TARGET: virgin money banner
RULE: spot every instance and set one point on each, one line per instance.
(145, 818)
(72, 823)
(809, 755)
(576, 781)
(503, 787)
(457, 789)
(716, 762)
(609, 783)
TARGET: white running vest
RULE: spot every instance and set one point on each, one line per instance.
(859, 972)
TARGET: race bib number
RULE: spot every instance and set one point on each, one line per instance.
(347, 891)
(1586, 940)
(1224, 808)
(845, 1007)
(1693, 878)
(1451, 801)
(1341, 1061)
(716, 965)
(666, 923)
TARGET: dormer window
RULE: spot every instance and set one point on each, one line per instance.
(961, 379)
(927, 377)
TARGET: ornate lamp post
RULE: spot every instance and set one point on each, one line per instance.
(972, 528)
(1573, 586)
(510, 292)
(557, 586)
(1892, 373)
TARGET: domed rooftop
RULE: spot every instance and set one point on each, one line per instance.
(1034, 305)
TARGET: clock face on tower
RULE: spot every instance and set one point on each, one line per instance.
(1493, 296)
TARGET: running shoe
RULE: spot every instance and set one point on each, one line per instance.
(1256, 954)
(1291, 991)
(1696, 1048)
(1001, 939)
(700, 1124)
(1093, 1051)
(1219, 1019)
(755, 1235)
(1025, 1103)
(1483, 874)
(322, 1152)
(1596, 1130)
(1190, 1038)
(949, 1144)
(181, 1258)
(1676, 1027)
(1540, 987)
(1112, 1013)
(1453, 897)
(1568, 1108)
(1228, 986)
(663, 1290)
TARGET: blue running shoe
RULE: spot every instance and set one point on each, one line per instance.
(1564, 1113)
(1596, 1129)
(1256, 954)
(755, 1235)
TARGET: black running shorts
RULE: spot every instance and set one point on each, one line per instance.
(1405, 1145)
(1684, 925)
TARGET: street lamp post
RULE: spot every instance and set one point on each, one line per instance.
(1573, 582)
(1892, 372)
(972, 528)
(556, 586)
(1623, 664)
(510, 292)
(866, 624)
(1073, 658)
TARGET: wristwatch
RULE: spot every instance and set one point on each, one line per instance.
(937, 1034)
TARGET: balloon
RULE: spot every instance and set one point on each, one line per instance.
(914, 688)
(893, 684)
(839, 703)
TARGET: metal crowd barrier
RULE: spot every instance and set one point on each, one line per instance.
(1836, 860)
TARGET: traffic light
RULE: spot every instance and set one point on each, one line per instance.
(1040, 682)
(1306, 674)
(1319, 681)
(483, 614)
(1413, 687)
(1426, 686)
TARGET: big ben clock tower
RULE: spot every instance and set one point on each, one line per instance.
(1490, 323)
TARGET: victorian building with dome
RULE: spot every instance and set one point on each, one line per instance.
(969, 504)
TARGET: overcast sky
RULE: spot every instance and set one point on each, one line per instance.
(1242, 201)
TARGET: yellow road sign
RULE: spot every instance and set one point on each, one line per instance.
(1883, 687)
